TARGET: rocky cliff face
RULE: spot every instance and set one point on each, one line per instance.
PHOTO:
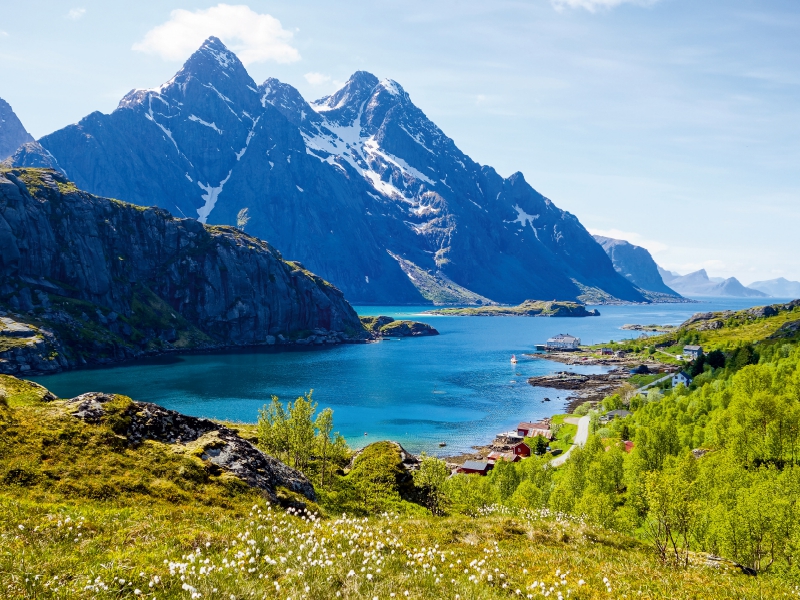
(635, 264)
(101, 280)
(12, 132)
(360, 186)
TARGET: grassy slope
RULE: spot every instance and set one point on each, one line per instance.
(80, 511)
(740, 328)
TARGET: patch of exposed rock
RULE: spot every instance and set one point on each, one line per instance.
(213, 443)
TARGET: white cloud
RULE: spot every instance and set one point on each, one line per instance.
(76, 13)
(3, 34)
(595, 5)
(252, 36)
(632, 237)
(317, 78)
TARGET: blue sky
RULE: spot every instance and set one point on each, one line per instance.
(672, 123)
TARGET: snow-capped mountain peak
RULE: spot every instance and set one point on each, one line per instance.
(360, 186)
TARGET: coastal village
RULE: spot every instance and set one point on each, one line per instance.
(585, 391)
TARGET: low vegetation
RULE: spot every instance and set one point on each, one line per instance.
(713, 473)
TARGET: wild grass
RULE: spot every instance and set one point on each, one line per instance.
(95, 549)
(84, 515)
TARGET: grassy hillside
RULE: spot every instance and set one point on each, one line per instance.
(84, 515)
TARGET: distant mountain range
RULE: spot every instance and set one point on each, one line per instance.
(637, 266)
(778, 288)
(359, 186)
(699, 284)
(12, 132)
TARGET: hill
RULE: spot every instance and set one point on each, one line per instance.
(89, 280)
(360, 186)
(84, 513)
(699, 284)
(778, 288)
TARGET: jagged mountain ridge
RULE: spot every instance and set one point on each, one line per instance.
(344, 184)
(698, 283)
(636, 264)
(12, 132)
(778, 288)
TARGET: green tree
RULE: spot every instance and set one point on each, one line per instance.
(273, 430)
(324, 426)
(430, 479)
(538, 444)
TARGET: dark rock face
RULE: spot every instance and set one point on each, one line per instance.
(211, 442)
(635, 264)
(115, 280)
(12, 132)
(360, 186)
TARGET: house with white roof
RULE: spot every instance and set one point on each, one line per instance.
(563, 341)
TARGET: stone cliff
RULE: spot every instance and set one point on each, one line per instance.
(88, 279)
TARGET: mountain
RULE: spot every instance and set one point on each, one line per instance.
(778, 288)
(635, 264)
(12, 132)
(85, 278)
(699, 284)
(360, 186)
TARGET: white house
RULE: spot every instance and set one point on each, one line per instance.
(681, 377)
(693, 352)
(563, 341)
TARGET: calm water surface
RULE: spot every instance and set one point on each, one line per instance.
(458, 387)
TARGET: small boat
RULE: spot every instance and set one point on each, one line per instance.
(546, 400)
(513, 359)
(442, 444)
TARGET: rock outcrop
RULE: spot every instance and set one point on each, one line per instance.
(91, 280)
(216, 445)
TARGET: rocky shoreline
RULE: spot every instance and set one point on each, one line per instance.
(28, 349)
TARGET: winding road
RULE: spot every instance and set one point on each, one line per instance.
(580, 439)
(583, 427)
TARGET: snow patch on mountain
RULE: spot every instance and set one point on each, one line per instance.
(523, 218)
(166, 131)
(250, 135)
(210, 198)
(211, 125)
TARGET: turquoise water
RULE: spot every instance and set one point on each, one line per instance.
(458, 387)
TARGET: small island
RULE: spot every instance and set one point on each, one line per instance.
(388, 327)
(529, 308)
